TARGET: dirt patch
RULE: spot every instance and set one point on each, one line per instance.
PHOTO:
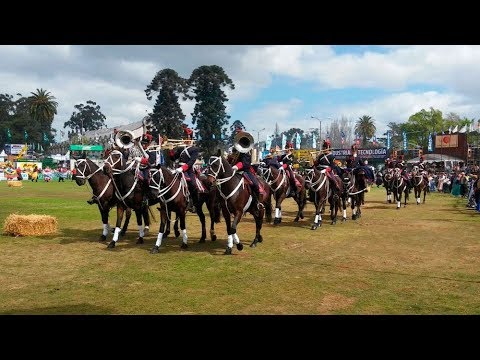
(333, 302)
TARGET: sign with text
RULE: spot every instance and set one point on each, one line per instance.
(375, 153)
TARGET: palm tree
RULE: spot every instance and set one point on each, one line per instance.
(43, 107)
(366, 128)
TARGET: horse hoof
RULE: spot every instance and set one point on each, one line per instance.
(201, 241)
(354, 217)
(122, 233)
(301, 216)
(140, 240)
(111, 245)
(214, 237)
(228, 251)
(389, 201)
(398, 208)
(344, 219)
(239, 246)
(103, 238)
(260, 238)
(146, 230)
(333, 223)
(154, 250)
(253, 244)
(177, 234)
(314, 227)
(276, 221)
(296, 219)
(184, 246)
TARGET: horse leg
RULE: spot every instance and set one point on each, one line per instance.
(424, 194)
(201, 216)
(138, 214)
(128, 214)
(336, 200)
(236, 220)
(175, 227)
(353, 206)
(163, 222)
(258, 227)
(120, 211)
(146, 220)
(181, 215)
(104, 214)
(228, 222)
(318, 216)
(278, 208)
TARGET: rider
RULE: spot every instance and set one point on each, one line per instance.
(272, 160)
(243, 161)
(187, 156)
(326, 159)
(286, 161)
(400, 164)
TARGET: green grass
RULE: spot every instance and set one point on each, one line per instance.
(418, 260)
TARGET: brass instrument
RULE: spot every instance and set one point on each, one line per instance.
(316, 153)
(124, 139)
(243, 142)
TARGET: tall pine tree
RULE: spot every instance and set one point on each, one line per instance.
(209, 114)
(167, 116)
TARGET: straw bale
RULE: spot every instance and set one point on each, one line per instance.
(30, 225)
(14, 183)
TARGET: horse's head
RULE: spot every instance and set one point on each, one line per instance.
(114, 161)
(217, 167)
(415, 170)
(83, 171)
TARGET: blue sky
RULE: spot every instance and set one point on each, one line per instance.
(274, 84)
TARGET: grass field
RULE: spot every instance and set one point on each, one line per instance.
(419, 260)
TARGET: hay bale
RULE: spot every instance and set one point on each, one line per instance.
(30, 225)
(14, 183)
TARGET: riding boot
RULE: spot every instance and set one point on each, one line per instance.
(190, 203)
(92, 201)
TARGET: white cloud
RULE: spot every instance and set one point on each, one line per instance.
(266, 116)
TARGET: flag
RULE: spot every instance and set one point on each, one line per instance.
(405, 141)
(25, 135)
(160, 140)
(45, 137)
(327, 136)
(299, 140)
(430, 142)
(284, 141)
(343, 137)
(9, 135)
(314, 141)
(374, 139)
(455, 129)
(388, 140)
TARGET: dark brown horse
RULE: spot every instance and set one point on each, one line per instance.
(103, 191)
(319, 189)
(355, 186)
(280, 187)
(387, 183)
(237, 198)
(420, 183)
(129, 192)
(170, 188)
(399, 187)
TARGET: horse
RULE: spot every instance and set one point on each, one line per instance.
(399, 186)
(171, 189)
(319, 188)
(129, 192)
(102, 189)
(420, 183)
(355, 187)
(279, 183)
(387, 183)
(237, 200)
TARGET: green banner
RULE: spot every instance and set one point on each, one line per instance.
(86, 147)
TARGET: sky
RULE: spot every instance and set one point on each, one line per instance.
(284, 84)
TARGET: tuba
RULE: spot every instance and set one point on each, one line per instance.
(124, 139)
(243, 142)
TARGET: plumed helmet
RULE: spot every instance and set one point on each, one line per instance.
(288, 146)
(326, 144)
(147, 138)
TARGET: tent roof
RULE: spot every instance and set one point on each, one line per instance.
(434, 158)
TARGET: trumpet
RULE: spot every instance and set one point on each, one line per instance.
(314, 154)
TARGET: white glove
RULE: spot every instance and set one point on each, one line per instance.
(179, 170)
(234, 168)
(138, 159)
(281, 163)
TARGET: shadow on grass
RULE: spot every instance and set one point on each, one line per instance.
(77, 309)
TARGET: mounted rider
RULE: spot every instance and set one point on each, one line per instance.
(422, 167)
(326, 161)
(272, 160)
(187, 156)
(243, 161)
(400, 164)
(286, 160)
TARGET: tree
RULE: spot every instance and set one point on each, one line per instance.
(366, 128)
(43, 108)
(87, 117)
(233, 130)
(167, 116)
(424, 122)
(209, 113)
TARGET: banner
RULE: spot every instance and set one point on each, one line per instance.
(430, 142)
(443, 141)
(377, 153)
(284, 141)
(405, 141)
(13, 149)
(314, 141)
(389, 140)
(86, 147)
(268, 143)
(298, 141)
